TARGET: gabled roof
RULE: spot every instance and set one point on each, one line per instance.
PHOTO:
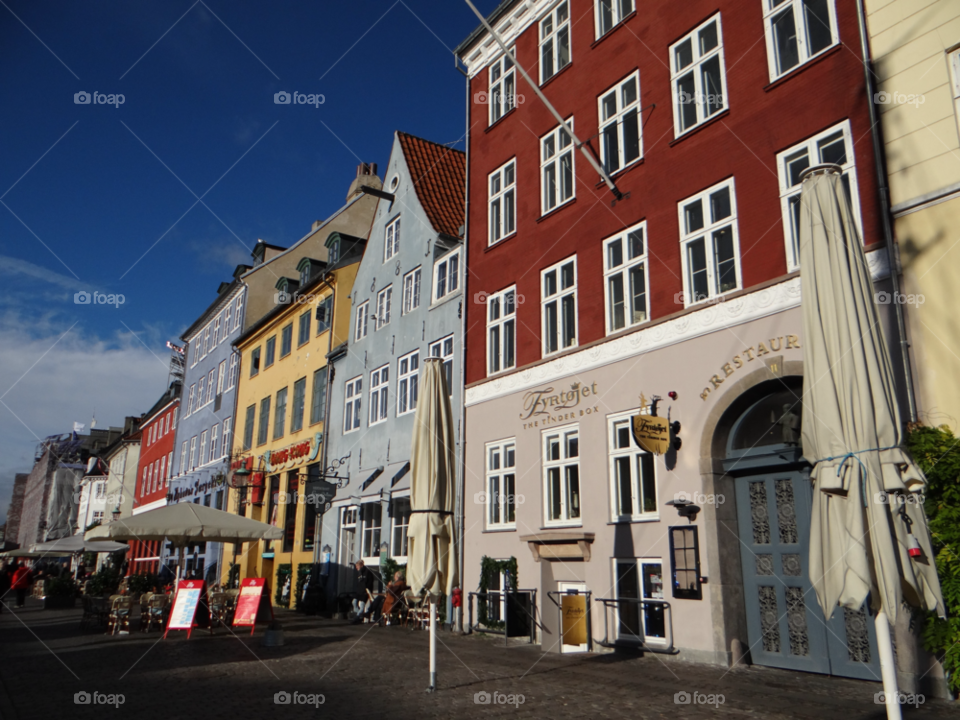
(439, 176)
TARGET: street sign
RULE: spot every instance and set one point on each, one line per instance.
(190, 608)
(253, 603)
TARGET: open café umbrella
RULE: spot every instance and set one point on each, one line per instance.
(77, 543)
(868, 533)
(432, 566)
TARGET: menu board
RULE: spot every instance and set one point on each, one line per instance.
(189, 595)
(253, 603)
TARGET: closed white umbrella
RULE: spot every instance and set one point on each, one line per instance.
(868, 532)
(432, 564)
(77, 543)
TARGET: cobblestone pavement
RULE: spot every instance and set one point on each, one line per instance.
(365, 671)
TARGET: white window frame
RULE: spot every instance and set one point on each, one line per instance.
(221, 376)
(502, 87)
(193, 389)
(352, 404)
(650, 640)
(193, 451)
(953, 59)
(202, 456)
(438, 349)
(411, 290)
(408, 382)
(618, 10)
(362, 321)
(563, 434)
(623, 271)
(621, 111)
(234, 360)
(225, 444)
(451, 280)
(790, 194)
(558, 297)
(379, 395)
(695, 67)
(500, 486)
(502, 202)
(384, 303)
(619, 428)
(237, 312)
(216, 331)
(554, 161)
(391, 239)
(551, 35)
(210, 381)
(705, 233)
(183, 457)
(802, 33)
(214, 442)
(501, 322)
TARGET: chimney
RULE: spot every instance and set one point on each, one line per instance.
(366, 169)
(366, 175)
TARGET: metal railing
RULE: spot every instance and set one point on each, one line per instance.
(506, 602)
(631, 639)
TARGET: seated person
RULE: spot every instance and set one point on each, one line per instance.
(394, 595)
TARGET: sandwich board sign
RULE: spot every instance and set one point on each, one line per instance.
(253, 603)
(190, 608)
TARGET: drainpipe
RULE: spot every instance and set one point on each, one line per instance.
(885, 213)
(318, 528)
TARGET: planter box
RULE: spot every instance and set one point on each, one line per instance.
(59, 603)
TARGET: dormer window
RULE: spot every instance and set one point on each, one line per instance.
(334, 252)
(305, 274)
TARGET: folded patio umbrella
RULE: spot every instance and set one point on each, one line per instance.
(868, 533)
(77, 543)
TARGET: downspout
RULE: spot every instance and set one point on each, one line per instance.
(318, 528)
(885, 212)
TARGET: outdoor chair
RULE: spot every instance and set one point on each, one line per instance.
(119, 621)
(418, 612)
(145, 610)
(221, 609)
(157, 611)
(93, 609)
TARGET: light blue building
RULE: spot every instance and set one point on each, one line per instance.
(407, 305)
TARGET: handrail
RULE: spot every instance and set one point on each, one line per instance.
(613, 603)
(503, 595)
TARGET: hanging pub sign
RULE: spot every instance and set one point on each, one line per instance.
(190, 608)
(319, 494)
(573, 619)
(253, 604)
(652, 433)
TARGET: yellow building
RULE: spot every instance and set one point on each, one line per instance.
(281, 407)
(915, 47)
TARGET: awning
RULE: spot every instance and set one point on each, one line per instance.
(373, 476)
(400, 475)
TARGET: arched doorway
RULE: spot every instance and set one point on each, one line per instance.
(785, 625)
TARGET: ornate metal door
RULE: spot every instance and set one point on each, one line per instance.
(785, 624)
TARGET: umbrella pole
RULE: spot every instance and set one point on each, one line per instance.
(433, 646)
(888, 670)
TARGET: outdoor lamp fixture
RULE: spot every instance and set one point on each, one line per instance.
(116, 513)
(685, 508)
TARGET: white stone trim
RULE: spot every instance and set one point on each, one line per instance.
(718, 316)
(162, 502)
(509, 28)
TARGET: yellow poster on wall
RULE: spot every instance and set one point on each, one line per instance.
(573, 613)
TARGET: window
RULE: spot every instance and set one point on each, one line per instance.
(391, 240)
(324, 314)
(280, 414)
(621, 140)
(503, 88)
(639, 580)
(97, 515)
(788, 47)
(234, 367)
(625, 278)
(372, 518)
(379, 385)
(206, 340)
(193, 453)
(501, 485)
(955, 81)
(286, 340)
(384, 300)
(363, 317)
(305, 275)
(685, 562)
(238, 312)
(708, 236)
(190, 400)
(144, 481)
(609, 13)
(446, 276)
(299, 399)
(318, 399)
(183, 457)
(554, 42)
(214, 442)
(201, 386)
(348, 531)
(221, 377)
(226, 437)
(443, 349)
(270, 352)
(503, 202)
(561, 468)
(176, 414)
(227, 314)
(351, 411)
(400, 514)
(632, 474)
(211, 378)
(834, 145)
(501, 330)
(254, 362)
(556, 168)
(559, 303)
(248, 427)
(303, 330)
(216, 331)
(411, 291)
(408, 377)
(202, 459)
(696, 70)
(264, 421)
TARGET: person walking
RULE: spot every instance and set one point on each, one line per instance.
(21, 583)
(4, 583)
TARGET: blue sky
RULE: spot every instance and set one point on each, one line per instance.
(104, 197)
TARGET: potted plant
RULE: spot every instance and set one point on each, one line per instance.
(59, 592)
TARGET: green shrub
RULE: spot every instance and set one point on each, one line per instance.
(62, 586)
(139, 584)
(104, 582)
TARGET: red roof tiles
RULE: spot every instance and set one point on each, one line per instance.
(439, 175)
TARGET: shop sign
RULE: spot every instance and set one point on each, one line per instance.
(182, 490)
(293, 455)
(749, 355)
(573, 614)
(191, 595)
(549, 406)
(651, 433)
(253, 603)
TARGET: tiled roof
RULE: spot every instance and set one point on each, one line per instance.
(439, 176)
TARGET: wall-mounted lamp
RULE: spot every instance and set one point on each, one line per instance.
(685, 508)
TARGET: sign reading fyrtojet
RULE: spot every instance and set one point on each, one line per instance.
(652, 433)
